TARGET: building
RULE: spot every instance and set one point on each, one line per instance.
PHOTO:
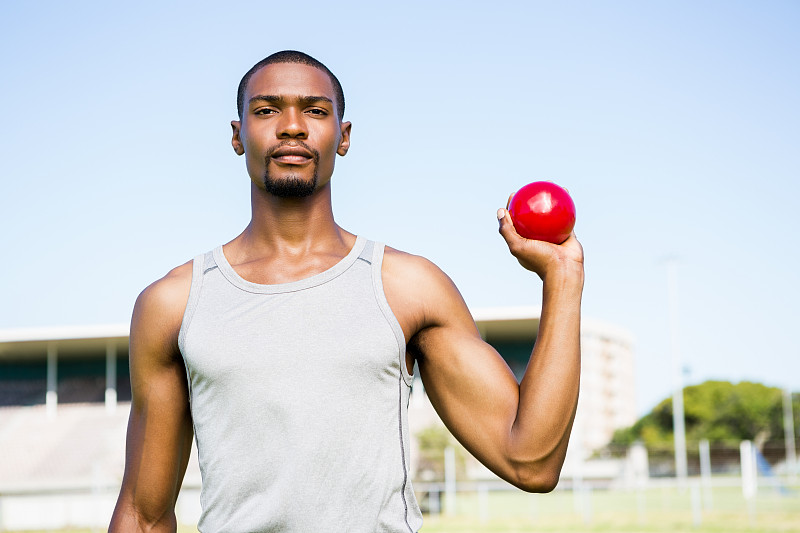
(608, 392)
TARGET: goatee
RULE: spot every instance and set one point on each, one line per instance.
(291, 186)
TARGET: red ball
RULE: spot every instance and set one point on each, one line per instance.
(543, 211)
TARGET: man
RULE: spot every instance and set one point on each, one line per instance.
(288, 350)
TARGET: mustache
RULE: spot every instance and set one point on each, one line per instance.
(293, 142)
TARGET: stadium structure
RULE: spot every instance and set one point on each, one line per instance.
(65, 398)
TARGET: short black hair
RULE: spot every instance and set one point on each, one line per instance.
(290, 56)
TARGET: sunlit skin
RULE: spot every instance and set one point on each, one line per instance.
(520, 431)
(289, 107)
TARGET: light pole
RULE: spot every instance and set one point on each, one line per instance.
(678, 420)
(788, 435)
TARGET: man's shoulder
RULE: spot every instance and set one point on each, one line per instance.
(420, 293)
(415, 272)
(165, 299)
(400, 263)
(172, 285)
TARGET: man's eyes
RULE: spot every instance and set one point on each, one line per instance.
(316, 111)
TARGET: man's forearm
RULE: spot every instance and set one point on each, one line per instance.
(548, 392)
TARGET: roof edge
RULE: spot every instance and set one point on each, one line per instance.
(59, 333)
(105, 331)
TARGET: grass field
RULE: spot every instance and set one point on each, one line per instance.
(657, 510)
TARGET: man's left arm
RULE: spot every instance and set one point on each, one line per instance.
(519, 431)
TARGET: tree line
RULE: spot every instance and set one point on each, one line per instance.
(717, 411)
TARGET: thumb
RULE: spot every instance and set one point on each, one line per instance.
(507, 229)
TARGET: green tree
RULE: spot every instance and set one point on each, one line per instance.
(718, 411)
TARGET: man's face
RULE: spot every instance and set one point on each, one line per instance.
(290, 131)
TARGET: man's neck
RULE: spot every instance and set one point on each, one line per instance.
(294, 225)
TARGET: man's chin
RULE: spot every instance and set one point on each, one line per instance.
(290, 186)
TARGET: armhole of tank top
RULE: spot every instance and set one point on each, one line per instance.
(383, 303)
(191, 304)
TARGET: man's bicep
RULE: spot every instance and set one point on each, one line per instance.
(160, 424)
(468, 382)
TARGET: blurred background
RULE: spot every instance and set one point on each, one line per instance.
(673, 125)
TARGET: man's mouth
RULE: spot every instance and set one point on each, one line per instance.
(291, 155)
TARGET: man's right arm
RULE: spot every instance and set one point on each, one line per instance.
(160, 426)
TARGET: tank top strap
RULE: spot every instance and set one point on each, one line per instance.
(209, 263)
(367, 252)
(377, 256)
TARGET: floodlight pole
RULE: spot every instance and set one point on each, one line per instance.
(678, 420)
(788, 431)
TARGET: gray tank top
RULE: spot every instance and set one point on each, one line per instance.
(299, 398)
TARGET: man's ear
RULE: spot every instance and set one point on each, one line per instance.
(236, 141)
(344, 144)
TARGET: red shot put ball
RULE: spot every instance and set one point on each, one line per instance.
(543, 211)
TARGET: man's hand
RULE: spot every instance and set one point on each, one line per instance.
(541, 257)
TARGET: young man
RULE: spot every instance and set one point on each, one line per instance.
(288, 350)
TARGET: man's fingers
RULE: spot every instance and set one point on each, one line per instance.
(536, 255)
(507, 229)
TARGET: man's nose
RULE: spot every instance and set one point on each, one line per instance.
(292, 125)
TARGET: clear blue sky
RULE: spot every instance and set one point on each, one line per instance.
(675, 125)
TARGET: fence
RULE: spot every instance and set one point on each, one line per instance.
(730, 486)
(729, 489)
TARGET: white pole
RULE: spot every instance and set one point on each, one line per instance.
(749, 475)
(678, 420)
(450, 480)
(586, 493)
(111, 377)
(788, 431)
(705, 472)
(483, 502)
(51, 399)
(639, 464)
(747, 453)
(576, 449)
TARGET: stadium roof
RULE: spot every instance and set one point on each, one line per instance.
(71, 340)
(493, 322)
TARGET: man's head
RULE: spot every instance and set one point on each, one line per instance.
(290, 56)
(290, 128)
